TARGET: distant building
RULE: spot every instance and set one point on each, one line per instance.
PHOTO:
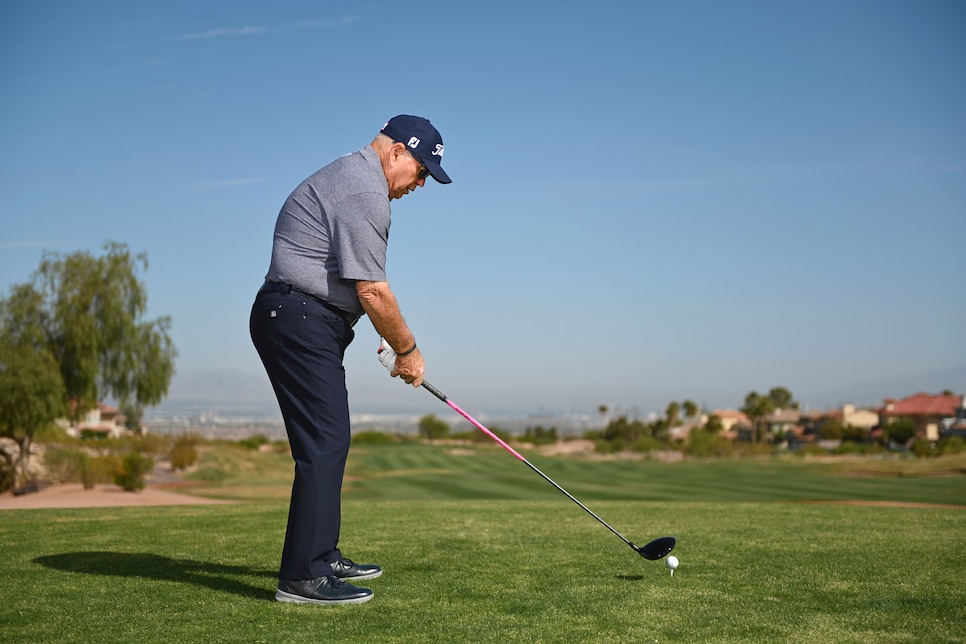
(864, 418)
(927, 411)
(101, 421)
(784, 424)
(956, 426)
(730, 421)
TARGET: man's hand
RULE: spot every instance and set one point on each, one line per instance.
(387, 356)
(408, 367)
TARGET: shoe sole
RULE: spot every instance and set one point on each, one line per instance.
(289, 598)
(371, 575)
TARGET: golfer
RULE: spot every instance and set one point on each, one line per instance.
(328, 268)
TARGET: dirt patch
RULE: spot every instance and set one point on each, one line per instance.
(568, 447)
(73, 495)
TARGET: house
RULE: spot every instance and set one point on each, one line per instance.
(846, 415)
(730, 421)
(927, 411)
(864, 418)
(782, 421)
(102, 421)
(956, 426)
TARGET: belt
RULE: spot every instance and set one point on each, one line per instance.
(287, 289)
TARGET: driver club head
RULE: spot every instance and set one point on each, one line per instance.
(656, 549)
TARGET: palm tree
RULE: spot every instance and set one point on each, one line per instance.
(690, 409)
(673, 413)
(757, 407)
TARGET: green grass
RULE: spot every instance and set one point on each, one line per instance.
(415, 471)
(477, 548)
(491, 571)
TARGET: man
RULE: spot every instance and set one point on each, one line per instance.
(328, 268)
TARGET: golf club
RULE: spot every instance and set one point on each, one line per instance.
(652, 551)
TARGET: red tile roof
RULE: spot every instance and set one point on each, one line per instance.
(922, 404)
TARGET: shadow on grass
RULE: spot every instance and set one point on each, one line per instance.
(217, 577)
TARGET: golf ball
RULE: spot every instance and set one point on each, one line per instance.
(671, 562)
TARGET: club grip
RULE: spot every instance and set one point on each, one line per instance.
(433, 390)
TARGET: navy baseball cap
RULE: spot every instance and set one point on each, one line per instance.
(421, 139)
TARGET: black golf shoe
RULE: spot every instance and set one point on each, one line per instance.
(324, 590)
(345, 568)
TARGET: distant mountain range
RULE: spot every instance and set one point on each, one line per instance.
(871, 394)
(236, 393)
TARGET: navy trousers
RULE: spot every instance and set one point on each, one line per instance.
(302, 344)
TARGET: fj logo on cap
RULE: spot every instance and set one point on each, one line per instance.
(438, 152)
(413, 142)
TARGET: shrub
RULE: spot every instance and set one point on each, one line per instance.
(901, 430)
(850, 447)
(184, 454)
(100, 469)
(372, 437)
(811, 450)
(701, 443)
(211, 474)
(254, 442)
(149, 443)
(645, 444)
(8, 473)
(133, 469)
(65, 465)
(831, 429)
(540, 435)
(432, 427)
(921, 448)
(951, 445)
(77, 466)
(855, 434)
(609, 447)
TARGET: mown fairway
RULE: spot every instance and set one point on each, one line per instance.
(478, 552)
(416, 471)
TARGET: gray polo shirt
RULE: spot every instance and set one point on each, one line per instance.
(333, 230)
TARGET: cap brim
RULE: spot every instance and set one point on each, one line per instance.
(437, 172)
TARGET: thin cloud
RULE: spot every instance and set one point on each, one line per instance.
(304, 25)
(219, 33)
(229, 183)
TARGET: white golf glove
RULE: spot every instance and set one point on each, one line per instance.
(387, 356)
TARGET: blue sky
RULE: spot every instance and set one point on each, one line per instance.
(651, 201)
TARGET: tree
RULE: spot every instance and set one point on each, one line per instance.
(540, 435)
(93, 325)
(602, 410)
(782, 398)
(690, 409)
(31, 388)
(831, 429)
(431, 427)
(756, 408)
(714, 425)
(673, 414)
(901, 430)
